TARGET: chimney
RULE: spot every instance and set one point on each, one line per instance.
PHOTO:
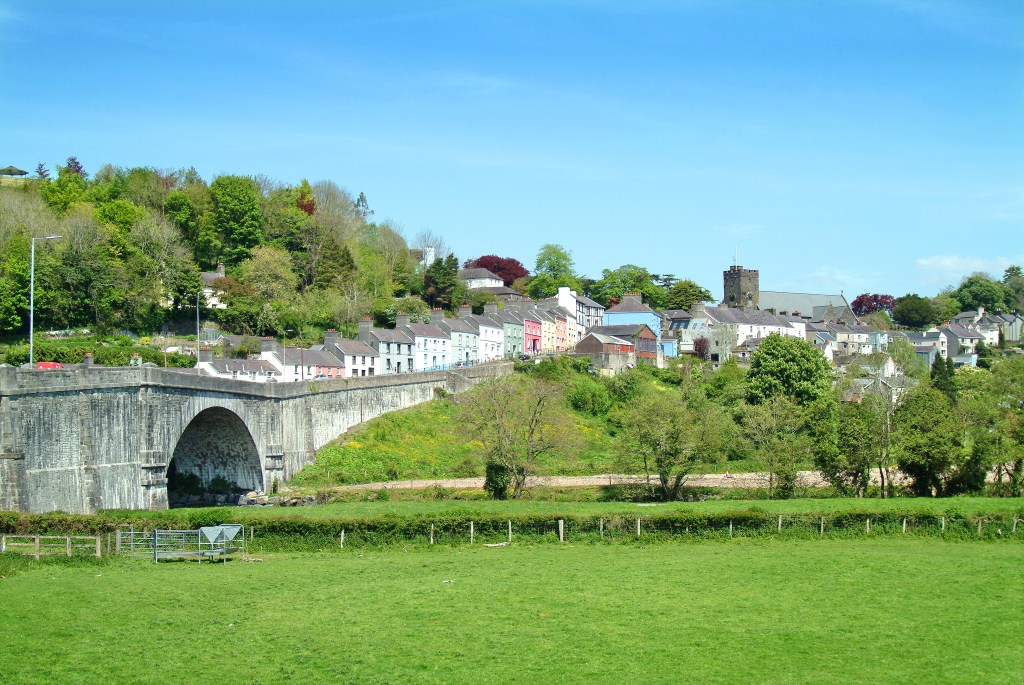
(364, 329)
(220, 269)
(87, 360)
(697, 308)
(205, 355)
(633, 297)
(267, 344)
(330, 338)
(402, 319)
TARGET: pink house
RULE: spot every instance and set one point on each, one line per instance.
(532, 341)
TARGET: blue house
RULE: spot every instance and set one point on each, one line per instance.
(632, 310)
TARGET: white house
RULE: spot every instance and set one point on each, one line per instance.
(490, 337)
(431, 345)
(480, 278)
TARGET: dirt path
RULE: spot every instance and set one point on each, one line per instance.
(712, 480)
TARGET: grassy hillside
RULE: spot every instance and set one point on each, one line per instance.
(427, 442)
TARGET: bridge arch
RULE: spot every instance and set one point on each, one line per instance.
(215, 449)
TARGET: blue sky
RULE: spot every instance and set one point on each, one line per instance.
(864, 146)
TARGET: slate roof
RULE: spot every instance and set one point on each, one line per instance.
(478, 320)
(425, 330)
(961, 332)
(350, 347)
(317, 358)
(749, 317)
(391, 335)
(589, 302)
(627, 330)
(243, 366)
(676, 314)
(497, 290)
(476, 273)
(810, 305)
(630, 305)
(461, 325)
(607, 339)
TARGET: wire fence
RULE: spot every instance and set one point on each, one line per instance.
(285, 534)
(637, 529)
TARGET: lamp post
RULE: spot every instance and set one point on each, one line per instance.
(32, 298)
(284, 355)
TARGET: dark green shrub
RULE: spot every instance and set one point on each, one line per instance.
(590, 396)
(497, 480)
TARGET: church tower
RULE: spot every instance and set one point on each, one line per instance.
(741, 287)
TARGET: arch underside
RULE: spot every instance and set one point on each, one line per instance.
(216, 444)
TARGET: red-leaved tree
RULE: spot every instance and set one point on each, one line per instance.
(702, 348)
(505, 268)
(868, 303)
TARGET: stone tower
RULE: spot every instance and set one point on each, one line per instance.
(741, 287)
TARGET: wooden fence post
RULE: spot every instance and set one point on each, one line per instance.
(821, 531)
(67, 545)
(904, 525)
(730, 527)
(943, 525)
(510, 532)
(3, 538)
(561, 530)
(637, 527)
(601, 528)
(99, 548)
(431, 533)
(341, 539)
(867, 525)
(780, 524)
(979, 527)
(471, 533)
(37, 547)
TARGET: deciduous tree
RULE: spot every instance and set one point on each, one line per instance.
(554, 269)
(928, 441)
(913, 311)
(671, 436)
(788, 366)
(518, 422)
(685, 293)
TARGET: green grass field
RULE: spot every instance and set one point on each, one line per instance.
(741, 611)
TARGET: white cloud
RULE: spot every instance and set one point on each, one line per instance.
(953, 267)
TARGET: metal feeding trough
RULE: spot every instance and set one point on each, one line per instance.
(210, 543)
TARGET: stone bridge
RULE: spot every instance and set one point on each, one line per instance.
(107, 438)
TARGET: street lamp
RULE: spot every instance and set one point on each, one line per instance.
(32, 298)
(284, 353)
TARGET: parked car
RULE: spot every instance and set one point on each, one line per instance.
(49, 365)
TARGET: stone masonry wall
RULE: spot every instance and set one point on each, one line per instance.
(101, 438)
